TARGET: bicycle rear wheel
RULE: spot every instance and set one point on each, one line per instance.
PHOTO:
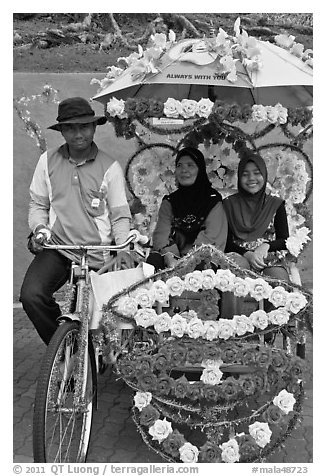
(61, 427)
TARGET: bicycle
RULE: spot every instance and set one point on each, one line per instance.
(66, 392)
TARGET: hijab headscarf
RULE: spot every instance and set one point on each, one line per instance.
(191, 204)
(249, 215)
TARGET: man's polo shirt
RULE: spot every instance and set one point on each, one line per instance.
(82, 203)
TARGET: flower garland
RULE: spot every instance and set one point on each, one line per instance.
(301, 304)
(218, 112)
(49, 94)
(297, 49)
(149, 371)
(227, 49)
(138, 305)
(172, 445)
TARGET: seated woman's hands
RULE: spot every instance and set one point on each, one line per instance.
(257, 258)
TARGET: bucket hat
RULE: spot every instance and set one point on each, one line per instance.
(76, 110)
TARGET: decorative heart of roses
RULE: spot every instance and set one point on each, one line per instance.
(207, 375)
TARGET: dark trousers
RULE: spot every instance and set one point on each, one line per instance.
(46, 274)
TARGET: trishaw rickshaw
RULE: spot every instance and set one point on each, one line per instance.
(205, 389)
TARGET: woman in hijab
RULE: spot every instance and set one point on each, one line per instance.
(191, 216)
(258, 226)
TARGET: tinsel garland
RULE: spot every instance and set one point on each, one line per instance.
(188, 263)
(82, 345)
(69, 299)
(255, 458)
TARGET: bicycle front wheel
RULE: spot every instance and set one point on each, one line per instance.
(62, 422)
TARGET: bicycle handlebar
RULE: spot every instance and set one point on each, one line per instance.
(134, 237)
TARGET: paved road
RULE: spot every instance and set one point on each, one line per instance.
(114, 436)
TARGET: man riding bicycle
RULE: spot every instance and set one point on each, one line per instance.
(77, 197)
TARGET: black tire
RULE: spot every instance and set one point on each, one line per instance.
(61, 429)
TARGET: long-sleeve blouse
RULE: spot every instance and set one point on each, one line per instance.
(276, 235)
(214, 230)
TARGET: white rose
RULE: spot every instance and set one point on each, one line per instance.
(230, 451)
(296, 301)
(279, 316)
(294, 245)
(224, 280)
(258, 113)
(211, 376)
(127, 305)
(272, 114)
(204, 107)
(278, 296)
(162, 322)
(225, 329)
(178, 325)
(285, 401)
(195, 328)
(261, 433)
(242, 324)
(175, 285)
(259, 319)
(259, 288)
(142, 399)
(282, 113)
(116, 107)
(208, 277)
(193, 281)
(211, 330)
(144, 297)
(160, 430)
(188, 315)
(211, 364)
(240, 287)
(189, 453)
(160, 290)
(172, 108)
(145, 317)
(189, 108)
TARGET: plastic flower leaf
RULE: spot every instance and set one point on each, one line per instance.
(129, 60)
(172, 36)
(232, 76)
(236, 27)
(297, 49)
(285, 41)
(153, 53)
(159, 39)
(222, 35)
(113, 72)
(228, 62)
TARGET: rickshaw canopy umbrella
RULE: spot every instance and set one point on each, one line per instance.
(283, 78)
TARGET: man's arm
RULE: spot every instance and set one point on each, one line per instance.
(120, 215)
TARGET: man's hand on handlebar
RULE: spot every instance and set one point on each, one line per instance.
(41, 235)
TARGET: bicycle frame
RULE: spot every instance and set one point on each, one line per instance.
(81, 308)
